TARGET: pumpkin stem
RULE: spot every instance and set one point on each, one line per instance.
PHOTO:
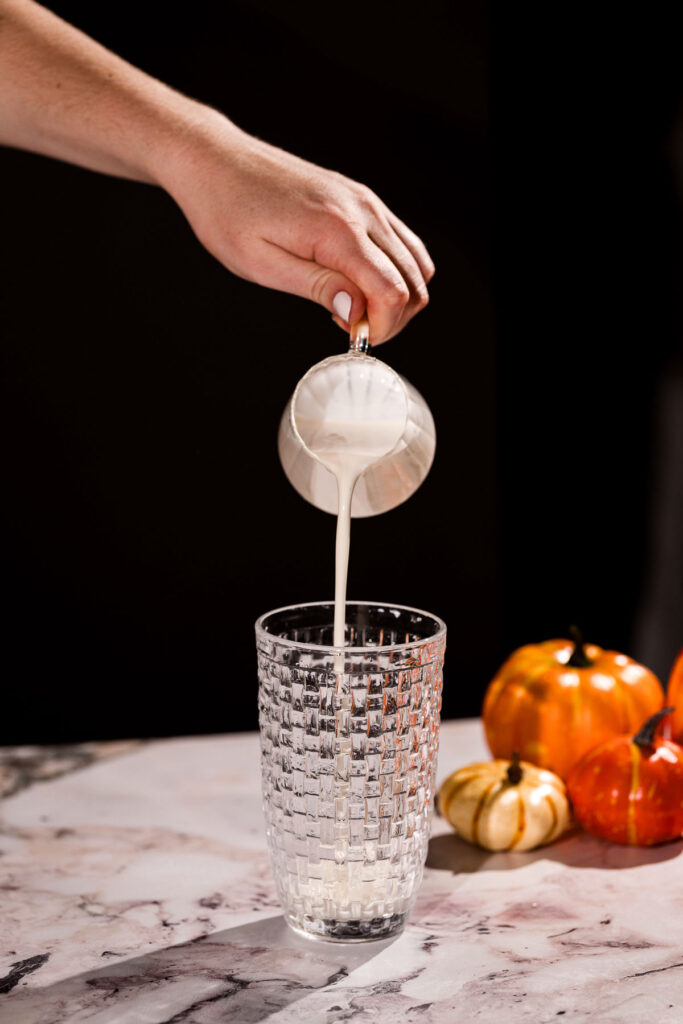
(579, 658)
(645, 737)
(515, 770)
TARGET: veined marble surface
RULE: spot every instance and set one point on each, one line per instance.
(135, 888)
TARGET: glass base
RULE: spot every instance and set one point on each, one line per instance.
(346, 931)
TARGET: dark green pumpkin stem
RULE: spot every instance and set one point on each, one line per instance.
(645, 737)
(579, 658)
(515, 770)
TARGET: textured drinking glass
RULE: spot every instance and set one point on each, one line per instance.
(349, 741)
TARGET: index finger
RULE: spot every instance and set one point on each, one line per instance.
(386, 292)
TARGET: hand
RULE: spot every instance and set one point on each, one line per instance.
(268, 216)
(273, 218)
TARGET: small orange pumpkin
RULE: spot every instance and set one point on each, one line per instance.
(674, 695)
(554, 701)
(630, 789)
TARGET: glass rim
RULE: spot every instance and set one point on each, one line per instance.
(330, 648)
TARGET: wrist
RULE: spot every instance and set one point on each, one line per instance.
(190, 132)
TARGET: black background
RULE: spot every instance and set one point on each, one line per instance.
(146, 521)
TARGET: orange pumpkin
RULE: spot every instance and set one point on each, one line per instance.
(674, 695)
(554, 701)
(630, 789)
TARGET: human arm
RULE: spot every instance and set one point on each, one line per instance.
(267, 215)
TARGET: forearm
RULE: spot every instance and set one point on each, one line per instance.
(66, 96)
(265, 214)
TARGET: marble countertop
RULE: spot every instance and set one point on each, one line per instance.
(136, 889)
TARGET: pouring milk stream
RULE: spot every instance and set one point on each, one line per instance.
(356, 439)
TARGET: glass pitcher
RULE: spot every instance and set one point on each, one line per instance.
(356, 388)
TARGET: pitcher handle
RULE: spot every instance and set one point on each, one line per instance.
(359, 338)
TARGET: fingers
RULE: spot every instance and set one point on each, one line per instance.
(392, 245)
(345, 264)
(388, 261)
(378, 275)
(385, 285)
(287, 272)
(387, 293)
(414, 245)
(391, 278)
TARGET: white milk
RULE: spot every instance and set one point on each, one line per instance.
(349, 413)
(347, 448)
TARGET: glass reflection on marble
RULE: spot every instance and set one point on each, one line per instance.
(349, 741)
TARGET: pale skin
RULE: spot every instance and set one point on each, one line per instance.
(265, 214)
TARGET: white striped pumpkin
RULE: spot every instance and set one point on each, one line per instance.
(505, 805)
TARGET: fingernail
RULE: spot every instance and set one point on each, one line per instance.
(341, 304)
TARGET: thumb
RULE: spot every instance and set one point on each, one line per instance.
(336, 292)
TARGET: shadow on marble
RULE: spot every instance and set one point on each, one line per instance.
(22, 767)
(246, 974)
(576, 849)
